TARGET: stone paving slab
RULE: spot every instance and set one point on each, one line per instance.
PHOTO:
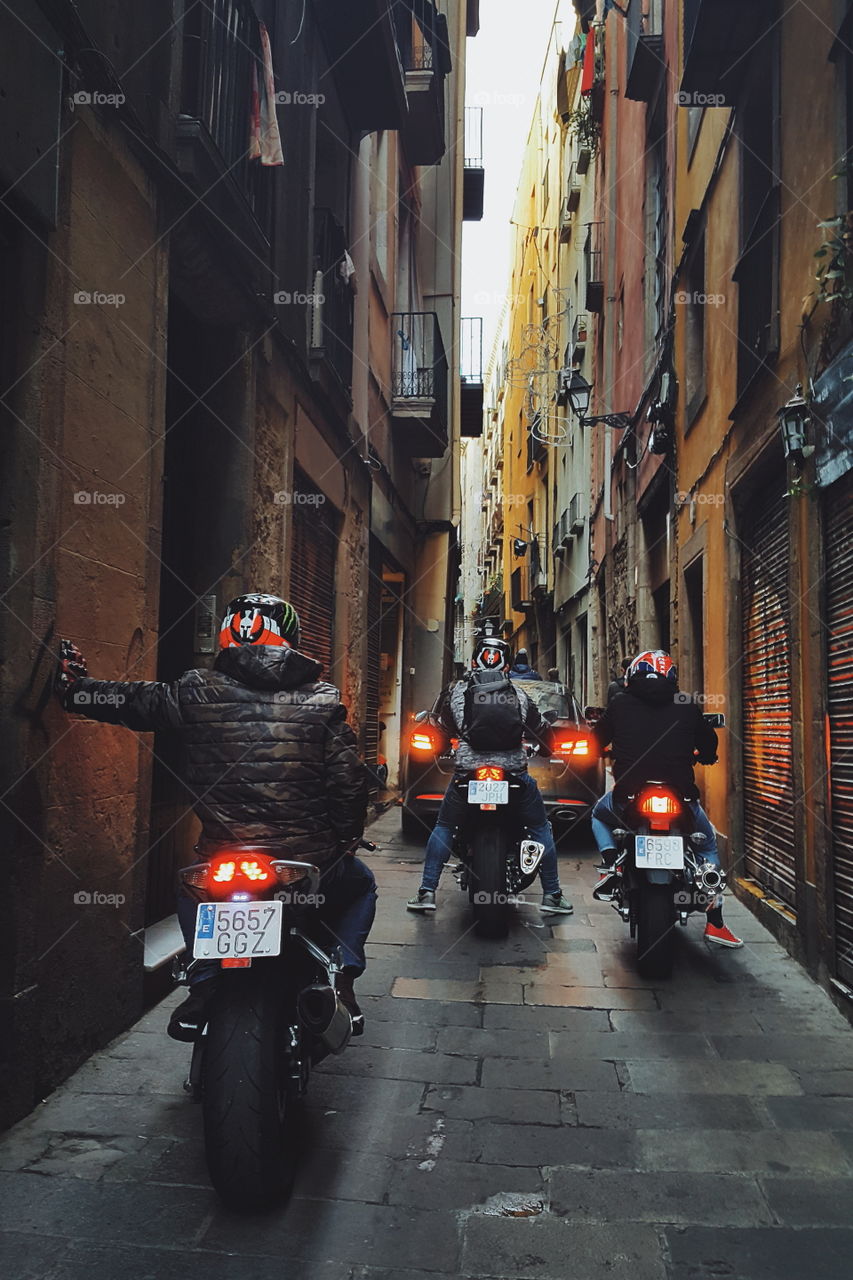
(698, 1129)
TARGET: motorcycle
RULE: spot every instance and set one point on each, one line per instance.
(274, 1015)
(497, 861)
(661, 876)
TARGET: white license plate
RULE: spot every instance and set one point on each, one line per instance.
(237, 930)
(659, 853)
(488, 792)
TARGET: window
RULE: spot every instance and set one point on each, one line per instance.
(757, 271)
(693, 675)
(694, 300)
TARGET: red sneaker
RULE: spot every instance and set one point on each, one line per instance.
(721, 937)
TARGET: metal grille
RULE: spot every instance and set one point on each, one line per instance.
(312, 572)
(839, 663)
(767, 720)
(374, 616)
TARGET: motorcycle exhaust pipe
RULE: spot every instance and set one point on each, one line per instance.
(530, 855)
(325, 1017)
(710, 878)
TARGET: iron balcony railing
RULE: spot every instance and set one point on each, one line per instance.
(331, 300)
(593, 267)
(419, 365)
(221, 42)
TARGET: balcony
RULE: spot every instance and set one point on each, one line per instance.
(718, 35)
(644, 45)
(575, 515)
(473, 173)
(471, 377)
(593, 264)
(361, 45)
(424, 45)
(221, 41)
(331, 305)
(419, 383)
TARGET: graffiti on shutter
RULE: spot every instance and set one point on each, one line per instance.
(768, 800)
(839, 665)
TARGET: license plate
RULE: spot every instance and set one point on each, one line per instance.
(488, 792)
(237, 930)
(659, 853)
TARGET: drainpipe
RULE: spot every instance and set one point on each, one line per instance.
(361, 307)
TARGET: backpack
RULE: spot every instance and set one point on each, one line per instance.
(493, 719)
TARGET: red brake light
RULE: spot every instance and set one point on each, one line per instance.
(231, 873)
(573, 746)
(489, 773)
(659, 806)
(422, 740)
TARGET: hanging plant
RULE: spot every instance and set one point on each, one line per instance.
(583, 126)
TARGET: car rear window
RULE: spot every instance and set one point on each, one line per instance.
(548, 697)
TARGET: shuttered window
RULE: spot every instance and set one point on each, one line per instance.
(768, 800)
(312, 572)
(374, 615)
(839, 646)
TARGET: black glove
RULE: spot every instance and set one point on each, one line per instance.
(72, 667)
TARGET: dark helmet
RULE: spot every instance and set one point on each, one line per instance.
(259, 619)
(652, 667)
(490, 654)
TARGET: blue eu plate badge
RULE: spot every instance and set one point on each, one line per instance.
(206, 920)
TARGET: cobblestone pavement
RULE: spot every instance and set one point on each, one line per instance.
(528, 1108)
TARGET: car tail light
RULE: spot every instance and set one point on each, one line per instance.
(423, 740)
(489, 773)
(659, 805)
(573, 746)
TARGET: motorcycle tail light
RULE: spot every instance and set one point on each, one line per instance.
(231, 873)
(489, 773)
(659, 806)
(422, 741)
(289, 875)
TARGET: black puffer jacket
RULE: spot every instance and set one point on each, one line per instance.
(268, 754)
(655, 734)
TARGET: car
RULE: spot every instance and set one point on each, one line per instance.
(570, 780)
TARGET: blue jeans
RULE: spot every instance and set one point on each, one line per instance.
(349, 888)
(605, 818)
(528, 809)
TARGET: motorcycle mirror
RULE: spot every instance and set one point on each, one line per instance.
(550, 716)
(593, 713)
(421, 717)
(715, 719)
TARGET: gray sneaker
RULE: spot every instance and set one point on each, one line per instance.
(424, 900)
(554, 904)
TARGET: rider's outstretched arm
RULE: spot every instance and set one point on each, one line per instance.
(144, 705)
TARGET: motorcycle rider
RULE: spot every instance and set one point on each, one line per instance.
(492, 655)
(270, 760)
(656, 733)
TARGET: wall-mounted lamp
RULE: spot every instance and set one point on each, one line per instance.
(796, 423)
(579, 393)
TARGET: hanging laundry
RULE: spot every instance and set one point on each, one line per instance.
(588, 73)
(346, 270)
(264, 137)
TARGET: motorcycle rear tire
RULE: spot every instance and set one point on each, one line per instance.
(487, 888)
(655, 931)
(247, 1110)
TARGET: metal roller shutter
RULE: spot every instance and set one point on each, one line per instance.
(768, 798)
(312, 573)
(374, 616)
(839, 646)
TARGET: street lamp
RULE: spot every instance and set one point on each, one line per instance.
(579, 393)
(795, 421)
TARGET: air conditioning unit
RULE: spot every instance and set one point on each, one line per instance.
(576, 515)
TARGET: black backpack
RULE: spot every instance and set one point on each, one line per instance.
(493, 718)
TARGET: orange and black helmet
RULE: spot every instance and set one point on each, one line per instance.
(259, 619)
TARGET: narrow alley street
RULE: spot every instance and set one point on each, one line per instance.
(521, 1109)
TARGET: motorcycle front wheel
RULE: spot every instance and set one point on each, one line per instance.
(655, 930)
(487, 887)
(247, 1110)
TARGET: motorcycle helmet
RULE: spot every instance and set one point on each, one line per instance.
(652, 666)
(490, 654)
(259, 619)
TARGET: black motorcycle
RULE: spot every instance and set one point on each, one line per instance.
(275, 1013)
(497, 860)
